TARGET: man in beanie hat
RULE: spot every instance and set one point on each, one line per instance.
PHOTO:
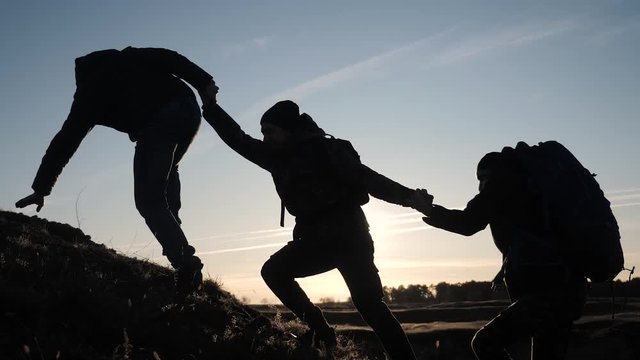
(138, 91)
(321, 182)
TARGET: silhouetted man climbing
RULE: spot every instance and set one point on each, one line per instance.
(547, 293)
(321, 181)
(138, 91)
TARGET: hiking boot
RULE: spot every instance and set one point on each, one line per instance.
(326, 337)
(306, 339)
(188, 278)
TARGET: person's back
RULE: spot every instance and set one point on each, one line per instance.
(121, 88)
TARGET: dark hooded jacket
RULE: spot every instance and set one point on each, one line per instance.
(120, 90)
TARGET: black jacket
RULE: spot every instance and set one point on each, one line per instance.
(120, 90)
(311, 186)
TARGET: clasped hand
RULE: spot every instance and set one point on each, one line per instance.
(422, 201)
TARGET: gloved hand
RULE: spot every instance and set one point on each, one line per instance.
(33, 199)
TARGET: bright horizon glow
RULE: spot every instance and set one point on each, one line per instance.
(422, 89)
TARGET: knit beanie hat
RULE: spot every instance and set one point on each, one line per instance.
(284, 114)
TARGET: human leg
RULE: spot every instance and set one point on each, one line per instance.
(363, 280)
(159, 148)
(295, 260)
(491, 341)
(551, 341)
(183, 127)
(153, 161)
(540, 317)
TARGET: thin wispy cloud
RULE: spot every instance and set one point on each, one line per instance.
(483, 44)
(453, 51)
(224, 238)
(358, 70)
(624, 198)
(244, 248)
(625, 205)
(622, 191)
(241, 48)
(609, 31)
(257, 234)
(389, 224)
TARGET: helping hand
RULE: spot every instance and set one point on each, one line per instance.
(208, 96)
(33, 199)
(422, 201)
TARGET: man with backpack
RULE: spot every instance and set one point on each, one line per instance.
(321, 182)
(138, 91)
(546, 213)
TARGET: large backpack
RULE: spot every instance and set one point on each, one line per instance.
(342, 180)
(575, 209)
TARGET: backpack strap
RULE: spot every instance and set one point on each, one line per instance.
(281, 213)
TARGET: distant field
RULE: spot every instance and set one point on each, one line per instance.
(444, 331)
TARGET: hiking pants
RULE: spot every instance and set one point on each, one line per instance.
(160, 146)
(301, 258)
(545, 319)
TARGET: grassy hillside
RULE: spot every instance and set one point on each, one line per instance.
(62, 296)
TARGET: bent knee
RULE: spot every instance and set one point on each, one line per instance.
(269, 271)
(487, 342)
(480, 340)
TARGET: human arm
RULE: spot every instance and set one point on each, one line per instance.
(62, 147)
(34, 199)
(383, 188)
(469, 221)
(232, 134)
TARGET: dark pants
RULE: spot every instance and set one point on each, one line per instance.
(545, 318)
(300, 258)
(160, 146)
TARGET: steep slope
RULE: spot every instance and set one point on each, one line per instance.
(64, 296)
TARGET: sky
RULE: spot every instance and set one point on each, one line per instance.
(422, 89)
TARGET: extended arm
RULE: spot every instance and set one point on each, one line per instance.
(383, 188)
(230, 132)
(60, 150)
(469, 221)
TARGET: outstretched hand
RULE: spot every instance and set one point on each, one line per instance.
(208, 96)
(33, 199)
(422, 201)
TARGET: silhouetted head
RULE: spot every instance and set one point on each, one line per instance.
(488, 167)
(283, 123)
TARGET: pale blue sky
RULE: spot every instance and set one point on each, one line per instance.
(422, 89)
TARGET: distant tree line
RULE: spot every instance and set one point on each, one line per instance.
(442, 292)
(481, 291)
(630, 288)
